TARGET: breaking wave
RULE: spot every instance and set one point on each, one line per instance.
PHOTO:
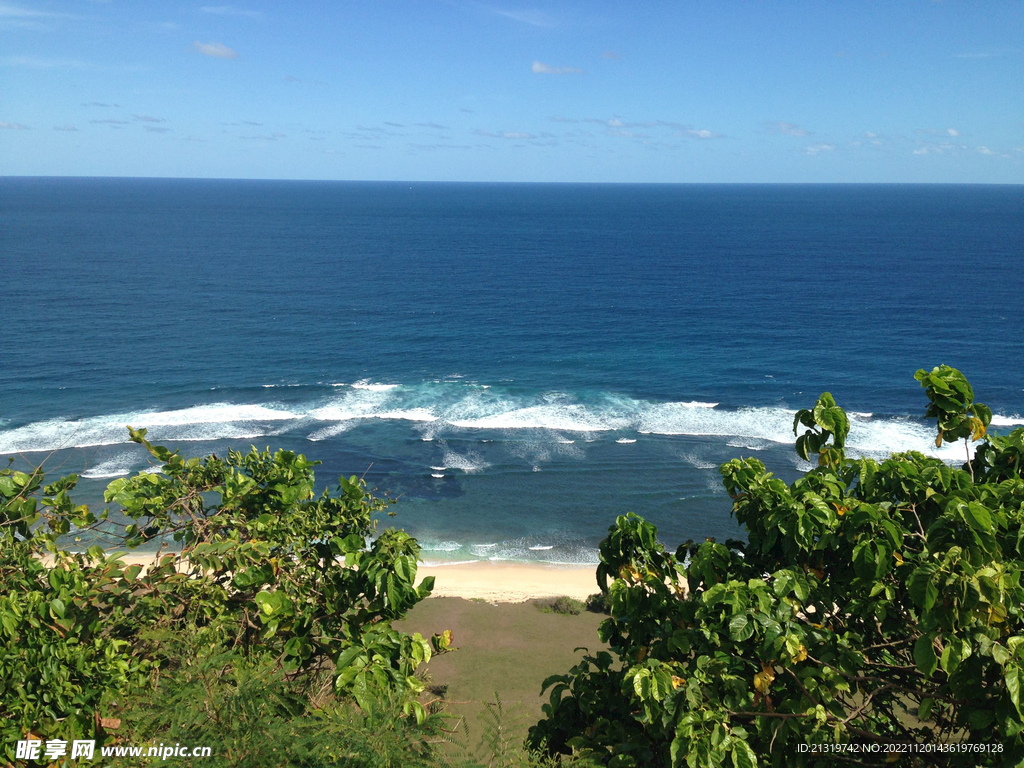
(446, 409)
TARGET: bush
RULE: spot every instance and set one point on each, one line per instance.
(267, 570)
(567, 606)
(873, 602)
(597, 603)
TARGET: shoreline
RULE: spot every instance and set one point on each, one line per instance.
(503, 581)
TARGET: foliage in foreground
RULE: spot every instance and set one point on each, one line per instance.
(873, 603)
(268, 570)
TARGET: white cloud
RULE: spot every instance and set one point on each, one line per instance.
(921, 151)
(870, 135)
(952, 131)
(216, 50)
(527, 16)
(611, 55)
(789, 129)
(703, 133)
(230, 10)
(149, 119)
(14, 126)
(540, 68)
(816, 149)
(985, 151)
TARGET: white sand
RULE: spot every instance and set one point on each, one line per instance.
(507, 582)
(495, 582)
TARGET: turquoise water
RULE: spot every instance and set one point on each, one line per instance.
(516, 363)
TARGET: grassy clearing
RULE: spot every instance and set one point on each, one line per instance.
(505, 649)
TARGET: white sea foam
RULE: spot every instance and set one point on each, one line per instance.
(372, 387)
(698, 462)
(325, 433)
(442, 563)
(1007, 421)
(440, 546)
(202, 422)
(541, 547)
(119, 466)
(438, 475)
(553, 421)
(469, 463)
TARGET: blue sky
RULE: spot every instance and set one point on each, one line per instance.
(912, 91)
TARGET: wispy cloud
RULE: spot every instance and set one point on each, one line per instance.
(504, 134)
(532, 17)
(9, 11)
(231, 10)
(155, 129)
(149, 119)
(788, 129)
(977, 55)
(427, 125)
(560, 119)
(99, 104)
(216, 50)
(439, 146)
(985, 151)
(611, 55)
(14, 126)
(703, 133)
(817, 149)
(110, 121)
(36, 63)
(952, 131)
(64, 128)
(540, 68)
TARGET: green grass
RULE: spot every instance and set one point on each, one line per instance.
(505, 649)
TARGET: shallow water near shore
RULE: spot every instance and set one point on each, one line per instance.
(516, 363)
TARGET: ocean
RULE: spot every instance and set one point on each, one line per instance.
(517, 364)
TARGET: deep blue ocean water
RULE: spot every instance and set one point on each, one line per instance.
(518, 363)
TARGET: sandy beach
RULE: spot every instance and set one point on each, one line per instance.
(510, 582)
(495, 582)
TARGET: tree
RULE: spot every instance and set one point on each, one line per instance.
(873, 604)
(264, 568)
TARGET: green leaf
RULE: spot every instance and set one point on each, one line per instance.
(924, 655)
(741, 628)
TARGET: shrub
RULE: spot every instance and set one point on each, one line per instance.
(872, 602)
(597, 603)
(267, 569)
(567, 606)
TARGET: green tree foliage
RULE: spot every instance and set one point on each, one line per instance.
(266, 568)
(873, 603)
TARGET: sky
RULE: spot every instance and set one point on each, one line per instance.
(457, 90)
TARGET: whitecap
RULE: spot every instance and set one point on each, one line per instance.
(119, 466)
(372, 387)
(625, 440)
